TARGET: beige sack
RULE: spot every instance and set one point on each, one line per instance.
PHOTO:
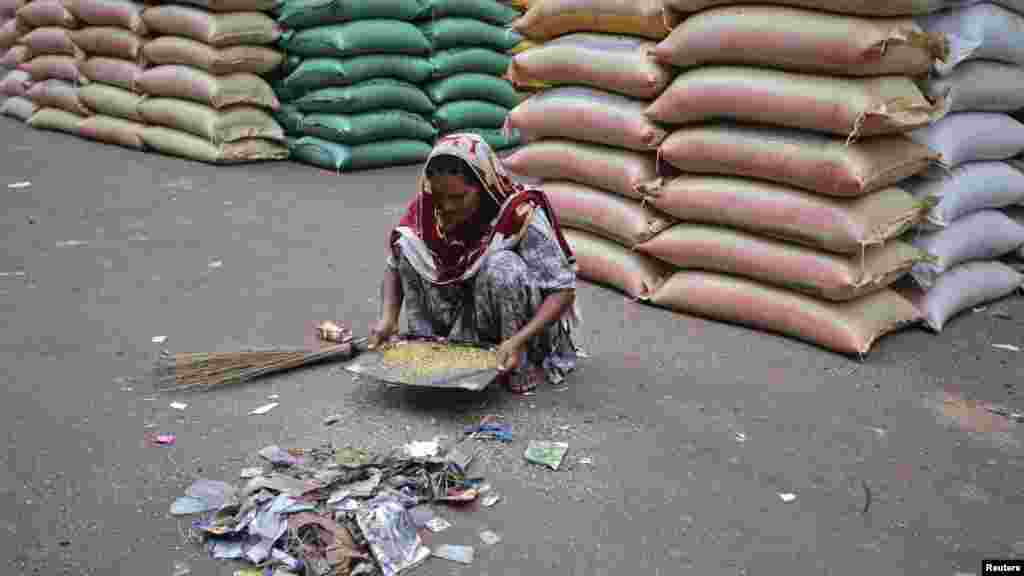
(217, 30)
(619, 219)
(605, 262)
(112, 101)
(620, 64)
(802, 41)
(847, 328)
(235, 5)
(587, 115)
(125, 14)
(112, 72)
(109, 42)
(844, 226)
(825, 275)
(111, 130)
(187, 52)
(815, 162)
(52, 40)
(547, 19)
(40, 13)
(614, 169)
(60, 67)
(844, 106)
(872, 8)
(177, 143)
(10, 32)
(58, 94)
(55, 119)
(217, 126)
(216, 91)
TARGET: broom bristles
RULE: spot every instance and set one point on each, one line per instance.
(211, 369)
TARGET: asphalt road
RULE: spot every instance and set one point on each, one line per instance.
(694, 428)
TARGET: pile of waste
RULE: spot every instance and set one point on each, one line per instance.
(331, 511)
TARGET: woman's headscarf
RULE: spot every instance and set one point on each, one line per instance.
(445, 257)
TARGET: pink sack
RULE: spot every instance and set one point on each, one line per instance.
(613, 169)
(847, 327)
(15, 83)
(60, 67)
(110, 42)
(587, 115)
(848, 107)
(114, 13)
(52, 40)
(112, 72)
(41, 13)
(58, 94)
(15, 57)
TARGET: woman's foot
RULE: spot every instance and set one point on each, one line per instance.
(521, 381)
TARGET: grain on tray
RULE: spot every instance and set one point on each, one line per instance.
(426, 358)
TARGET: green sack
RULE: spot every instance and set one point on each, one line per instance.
(378, 94)
(317, 73)
(473, 87)
(342, 158)
(469, 60)
(464, 114)
(310, 13)
(291, 63)
(358, 129)
(282, 92)
(354, 38)
(465, 32)
(486, 10)
(290, 118)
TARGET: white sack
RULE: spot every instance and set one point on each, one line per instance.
(973, 137)
(983, 235)
(963, 287)
(980, 86)
(982, 31)
(968, 188)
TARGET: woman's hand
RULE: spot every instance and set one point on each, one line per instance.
(508, 355)
(381, 332)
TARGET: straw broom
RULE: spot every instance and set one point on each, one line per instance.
(184, 371)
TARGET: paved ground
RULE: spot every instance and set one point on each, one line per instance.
(694, 427)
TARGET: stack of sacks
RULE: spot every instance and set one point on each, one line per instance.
(13, 83)
(966, 231)
(352, 92)
(477, 100)
(790, 213)
(110, 38)
(53, 62)
(204, 99)
(585, 133)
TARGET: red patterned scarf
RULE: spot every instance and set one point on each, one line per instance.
(454, 256)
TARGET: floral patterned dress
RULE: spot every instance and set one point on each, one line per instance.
(499, 300)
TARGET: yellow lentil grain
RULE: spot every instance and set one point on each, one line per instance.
(418, 359)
